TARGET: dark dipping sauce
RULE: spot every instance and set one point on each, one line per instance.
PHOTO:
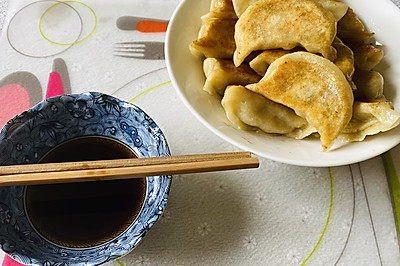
(88, 213)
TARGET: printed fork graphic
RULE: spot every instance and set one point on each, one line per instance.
(140, 50)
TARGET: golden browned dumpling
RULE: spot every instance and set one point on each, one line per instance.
(221, 73)
(261, 62)
(338, 9)
(369, 85)
(350, 28)
(241, 5)
(314, 87)
(222, 9)
(366, 56)
(251, 111)
(370, 118)
(345, 58)
(345, 61)
(215, 39)
(216, 35)
(272, 24)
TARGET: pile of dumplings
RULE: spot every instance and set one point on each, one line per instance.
(295, 68)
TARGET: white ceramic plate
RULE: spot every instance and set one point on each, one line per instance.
(381, 17)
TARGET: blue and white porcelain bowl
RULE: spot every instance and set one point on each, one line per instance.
(29, 136)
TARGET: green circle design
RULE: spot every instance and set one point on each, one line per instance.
(72, 43)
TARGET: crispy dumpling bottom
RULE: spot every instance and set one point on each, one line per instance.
(314, 87)
(252, 112)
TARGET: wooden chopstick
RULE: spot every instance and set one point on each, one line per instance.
(101, 164)
(68, 172)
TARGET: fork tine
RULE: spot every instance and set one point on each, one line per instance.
(130, 49)
(130, 45)
(131, 56)
(139, 50)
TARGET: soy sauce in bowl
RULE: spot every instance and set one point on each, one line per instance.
(85, 214)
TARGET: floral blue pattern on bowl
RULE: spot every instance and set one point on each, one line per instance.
(30, 135)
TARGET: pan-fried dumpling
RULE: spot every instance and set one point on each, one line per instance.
(366, 56)
(369, 85)
(350, 28)
(261, 62)
(285, 24)
(251, 111)
(221, 73)
(241, 5)
(344, 59)
(338, 9)
(370, 118)
(314, 87)
(221, 9)
(215, 39)
(216, 35)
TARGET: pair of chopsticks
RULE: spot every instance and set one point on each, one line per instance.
(68, 172)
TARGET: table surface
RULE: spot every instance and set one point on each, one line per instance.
(276, 215)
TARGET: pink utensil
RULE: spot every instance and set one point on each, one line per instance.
(58, 82)
(18, 92)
